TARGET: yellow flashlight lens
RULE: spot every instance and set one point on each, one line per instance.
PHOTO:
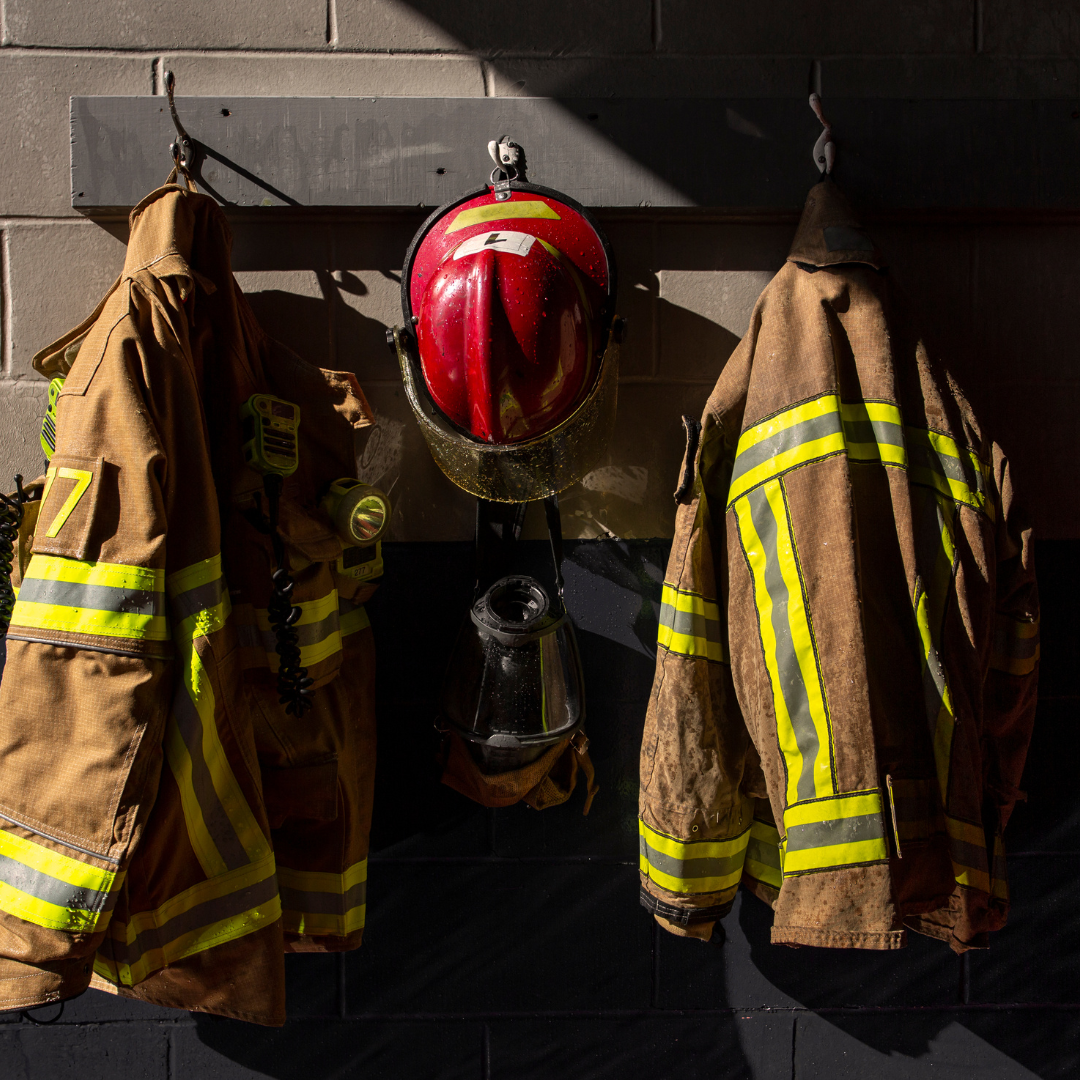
(368, 518)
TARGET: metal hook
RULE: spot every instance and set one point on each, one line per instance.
(825, 147)
(509, 158)
(183, 149)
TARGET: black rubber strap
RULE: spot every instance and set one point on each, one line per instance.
(680, 915)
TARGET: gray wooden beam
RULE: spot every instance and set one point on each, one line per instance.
(397, 152)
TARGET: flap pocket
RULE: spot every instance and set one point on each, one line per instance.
(301, 791)
(72, 485)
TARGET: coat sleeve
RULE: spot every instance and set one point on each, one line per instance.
(1012, 682)
(694, 817)
(84, 693)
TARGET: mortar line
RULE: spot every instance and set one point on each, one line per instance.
(331, 24)
(977, 20)
(657, 26)
(485, 1052)
(487, 77)
(655, 300)
(794, 1039)
(3, 22)
(157, 79)
(7, 362)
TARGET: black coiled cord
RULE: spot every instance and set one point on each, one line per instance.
(293, 683)
(11, 515)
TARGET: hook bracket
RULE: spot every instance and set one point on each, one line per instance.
(825, 147)
(509, 158)
(182, 148)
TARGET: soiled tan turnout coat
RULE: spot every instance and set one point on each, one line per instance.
(165, 828)
(846, 677)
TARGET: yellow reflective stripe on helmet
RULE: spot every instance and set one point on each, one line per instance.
(210, 913)
(691, 866)
(802, 712)
(1016, 645)
(690, 625)
(763, 855)
(221, 827)
(846, 830)
(506, 211)
(315, 902)
(42, 886)
(96, 598)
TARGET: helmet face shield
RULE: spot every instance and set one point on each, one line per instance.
(514, 685)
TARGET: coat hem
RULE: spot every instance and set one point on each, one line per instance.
(839, 939)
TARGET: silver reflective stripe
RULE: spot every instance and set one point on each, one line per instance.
(691, 868)
(52, 890)
(196, 918)
(691, 623)
(848, 830)
(201, 598)
(323, 903)
(92, 597)
(818, 427)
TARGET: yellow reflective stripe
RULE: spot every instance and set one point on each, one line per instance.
(823, 436)
(113, 575)
(82, 480)
(52, 890)
(940, 462)
(690, 625)
(192, 577)
(317, 902)
(763, 855)
(824, 834)
(507, 211)
(88, 621)
(802, 716)
(354, 620)
(1016, 646)
(691, 866)
(883, 423)
(209, 753)
(208, 914)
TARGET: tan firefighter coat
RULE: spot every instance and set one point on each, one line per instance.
(846, 677)
(165, 827)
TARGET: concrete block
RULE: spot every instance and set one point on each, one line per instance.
(509, 937)
(35, 130)
(489, 26)
(710, 1047)
(779, 27)
(366, 303)
(953, 1045)
(201, 24)
(22, 405)
(1034, 28)
(648, 76)
(292, 307)
(98, 1007)
(703, 316)
(340, 75)
(67, 1052)
(941, 77)
(232, 1050)
(57, 273)
(632, 244)
(628, 495)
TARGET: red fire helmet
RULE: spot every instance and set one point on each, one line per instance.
(508, 296)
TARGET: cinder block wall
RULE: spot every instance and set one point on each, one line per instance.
(509, 944)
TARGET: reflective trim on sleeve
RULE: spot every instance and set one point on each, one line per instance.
(48, 889)
(319, 629)
(803, 723)
(353, 618)
(317, 903)
(940, 462)
(763, 855)
(691, 866)
(847, 830)
(1016, 645)
(690, 625)
(967, 846)
(101, 599)
(210, 913)
(221, 826)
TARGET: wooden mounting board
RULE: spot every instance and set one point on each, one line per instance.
(748, 154)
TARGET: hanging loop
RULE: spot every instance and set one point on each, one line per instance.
(509, 158)
(825, 147)
(183, 148)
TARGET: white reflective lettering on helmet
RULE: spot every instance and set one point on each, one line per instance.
(517, 243)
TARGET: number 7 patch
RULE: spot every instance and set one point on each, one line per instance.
(67, 506)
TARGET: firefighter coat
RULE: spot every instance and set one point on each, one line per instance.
(165, 828)
(845, 683)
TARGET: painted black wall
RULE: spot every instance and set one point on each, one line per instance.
(509, 945)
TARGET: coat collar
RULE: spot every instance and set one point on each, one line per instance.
(829, 233)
